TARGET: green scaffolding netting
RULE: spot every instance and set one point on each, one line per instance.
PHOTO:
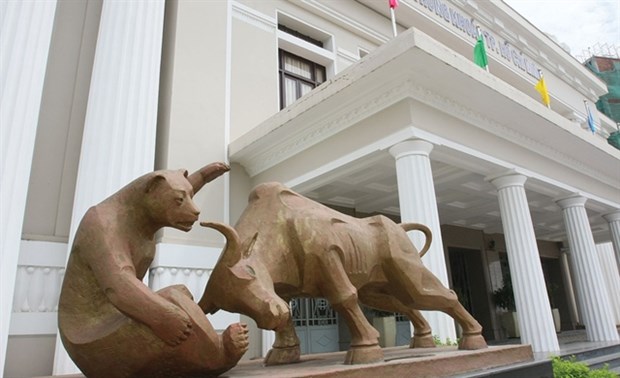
(608, 104)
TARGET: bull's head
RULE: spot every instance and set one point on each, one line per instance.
(243, 285)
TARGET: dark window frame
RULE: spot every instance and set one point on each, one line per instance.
(313, 81)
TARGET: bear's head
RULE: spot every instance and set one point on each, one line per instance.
(168, 200)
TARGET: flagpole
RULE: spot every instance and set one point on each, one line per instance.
(479, 35)
(540, 76)
(393, 21)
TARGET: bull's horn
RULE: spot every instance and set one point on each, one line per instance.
(425, 230)
(206, 174)
(232, 253)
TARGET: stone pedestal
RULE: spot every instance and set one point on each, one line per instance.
(400, 362)
(26, 30)
(593, 296)
(118, 144)
(528, 282)
(418, 203)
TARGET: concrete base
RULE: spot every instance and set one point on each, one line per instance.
(399, 362)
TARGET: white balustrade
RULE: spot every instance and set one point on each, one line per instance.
(37, 288)
(195, 279)
(190, 266)
(40, 270)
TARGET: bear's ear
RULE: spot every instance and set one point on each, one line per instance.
(154, 182)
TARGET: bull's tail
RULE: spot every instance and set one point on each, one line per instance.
(422, 228)
(232, 252)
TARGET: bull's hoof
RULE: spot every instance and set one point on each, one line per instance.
(281, 356)
(472, 342)
(363, 355)
(422, 341)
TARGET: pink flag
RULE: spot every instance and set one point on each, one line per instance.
(393, 3)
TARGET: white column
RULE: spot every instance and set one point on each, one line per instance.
(118, 144)
(592, 292)
(528, 281)
(612, 278)
(418, 203)
(568, 287)
(25, 35)
(614, 229)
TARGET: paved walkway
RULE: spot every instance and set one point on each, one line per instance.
(571, 342)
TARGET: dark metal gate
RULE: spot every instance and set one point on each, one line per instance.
(316, 325)
(403, 330)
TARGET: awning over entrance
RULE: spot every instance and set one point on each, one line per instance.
(332, 144)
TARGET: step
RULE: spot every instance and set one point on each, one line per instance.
(613, 360)
(533, 369)
(582, 355)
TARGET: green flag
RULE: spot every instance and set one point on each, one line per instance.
(480, 53)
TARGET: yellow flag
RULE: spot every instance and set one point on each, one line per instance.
(541, 87)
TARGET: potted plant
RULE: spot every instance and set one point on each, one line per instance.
(504, 298)
(552, 288)
(385, 323)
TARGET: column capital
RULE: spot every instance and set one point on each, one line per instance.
(411, 147)
(506, 179)
(614, 216)
(571, 201)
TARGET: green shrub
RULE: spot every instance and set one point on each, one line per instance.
(603, 373)
(569, 368)
(448, 341)
(572, 369)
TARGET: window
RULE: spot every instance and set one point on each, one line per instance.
(298, 76)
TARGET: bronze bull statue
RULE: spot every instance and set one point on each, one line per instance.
(286, 245)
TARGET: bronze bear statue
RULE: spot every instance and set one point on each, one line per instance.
(111, 324)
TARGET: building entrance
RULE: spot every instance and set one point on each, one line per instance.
(466, 268)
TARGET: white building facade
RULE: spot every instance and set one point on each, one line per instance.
(320, 96)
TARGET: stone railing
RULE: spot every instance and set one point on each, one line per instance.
(40, 270)
(190, 266)
(194, 278)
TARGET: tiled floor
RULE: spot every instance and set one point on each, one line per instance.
(571, 342)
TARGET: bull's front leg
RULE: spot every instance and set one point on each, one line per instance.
(342, 295)
(285, 349)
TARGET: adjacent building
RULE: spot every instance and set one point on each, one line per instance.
(607, 68)
(321, 96)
